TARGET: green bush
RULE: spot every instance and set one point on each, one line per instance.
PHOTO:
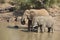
(2, 1)
(26, 4)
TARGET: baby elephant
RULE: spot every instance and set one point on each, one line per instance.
(41, 22)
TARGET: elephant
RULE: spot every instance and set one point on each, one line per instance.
(29, 14)
(42, 22)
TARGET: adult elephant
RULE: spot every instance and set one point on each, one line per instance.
(29, 14)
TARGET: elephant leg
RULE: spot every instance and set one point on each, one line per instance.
(30, 28)
(52, 30)
(29, 25)
(38, 29)
(41, 29)
(49, 29)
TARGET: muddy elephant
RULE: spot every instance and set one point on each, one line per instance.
(29, 14)
(42, 22)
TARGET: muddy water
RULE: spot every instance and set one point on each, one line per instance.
(21, 33)
(15, 34)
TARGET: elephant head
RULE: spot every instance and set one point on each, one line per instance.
(26, 16)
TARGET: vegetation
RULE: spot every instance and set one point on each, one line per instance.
(27, 4)
(2, 1)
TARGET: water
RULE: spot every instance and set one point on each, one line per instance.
(21, 33)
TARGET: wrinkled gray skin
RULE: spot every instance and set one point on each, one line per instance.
(29, 14)
(41, 22)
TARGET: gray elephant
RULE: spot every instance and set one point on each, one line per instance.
(29, 14)
(41, 22)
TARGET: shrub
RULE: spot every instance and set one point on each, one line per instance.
(2, 1)
(26, 4)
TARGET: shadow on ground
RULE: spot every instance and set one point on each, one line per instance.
(16, 27)
(24, 29)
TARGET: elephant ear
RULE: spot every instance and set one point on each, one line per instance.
(23, 22)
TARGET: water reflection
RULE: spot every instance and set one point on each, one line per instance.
(21, 33)
(39, 36)
(13, 34)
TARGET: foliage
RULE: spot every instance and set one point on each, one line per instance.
(27, 4)
(2, 1)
